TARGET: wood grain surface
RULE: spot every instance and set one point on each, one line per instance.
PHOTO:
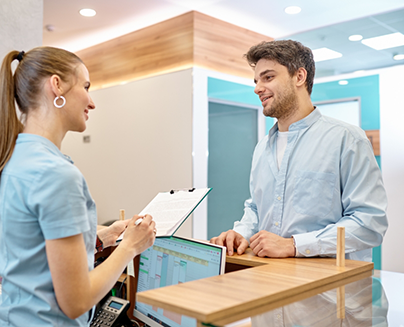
(221, 46)
(191, 39)
(340, 246)
(270, 284)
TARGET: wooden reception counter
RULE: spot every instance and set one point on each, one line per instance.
(266, 284)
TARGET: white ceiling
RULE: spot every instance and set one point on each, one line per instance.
(320, 23)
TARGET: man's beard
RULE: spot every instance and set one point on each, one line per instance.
(284, 105)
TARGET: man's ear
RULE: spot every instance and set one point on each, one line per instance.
(301, 76)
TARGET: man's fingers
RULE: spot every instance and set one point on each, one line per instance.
(257, 248)
(254, 243)
(242, 247)
(214, 240)
(231, 240)
(230, 243)
(256, 236)
(220, 240)
(253, 238)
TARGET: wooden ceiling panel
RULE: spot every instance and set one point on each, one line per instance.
(220, 46)
(191, 39)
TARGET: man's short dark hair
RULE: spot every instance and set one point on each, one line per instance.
(288, 53)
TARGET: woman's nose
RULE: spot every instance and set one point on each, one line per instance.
(91, 105)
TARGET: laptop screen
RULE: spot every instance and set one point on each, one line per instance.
(171, 261)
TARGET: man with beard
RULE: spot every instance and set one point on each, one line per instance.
(310, 174)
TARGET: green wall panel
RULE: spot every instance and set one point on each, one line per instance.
(366, 88)
(234, 92)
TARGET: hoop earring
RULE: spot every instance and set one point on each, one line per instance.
(62, 105)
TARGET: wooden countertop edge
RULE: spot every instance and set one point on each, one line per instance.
(353, 270)
(242, 314)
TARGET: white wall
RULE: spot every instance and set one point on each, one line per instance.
(20, 25)
(141, 144)
(147, 136)
(392, 157)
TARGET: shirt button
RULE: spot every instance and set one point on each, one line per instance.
(278, 197)
(278, 316)
(276, 224)
(308, 251)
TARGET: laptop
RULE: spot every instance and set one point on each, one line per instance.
(171, 261)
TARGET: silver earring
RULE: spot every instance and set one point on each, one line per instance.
(57, 105)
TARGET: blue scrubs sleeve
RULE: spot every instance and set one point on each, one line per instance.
(59, 202)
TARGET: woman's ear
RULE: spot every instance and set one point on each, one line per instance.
(55, 83)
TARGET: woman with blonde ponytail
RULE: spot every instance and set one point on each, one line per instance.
(47, 216)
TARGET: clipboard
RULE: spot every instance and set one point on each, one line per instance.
(170, 209)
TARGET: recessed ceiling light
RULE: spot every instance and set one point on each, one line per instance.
(325, 54)
(399, 57)
(343, 82)
(292, 10)
(87, 12)
(50, 27)
(385, 41)
(359, 71)
(355, 37)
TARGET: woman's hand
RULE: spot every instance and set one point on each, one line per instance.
(109, 235)
(138, 237)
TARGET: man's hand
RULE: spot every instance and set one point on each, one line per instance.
(231, 240)
(266, 244)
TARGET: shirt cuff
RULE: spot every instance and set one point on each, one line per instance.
(306, 245)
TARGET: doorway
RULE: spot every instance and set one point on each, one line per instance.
(233, 135)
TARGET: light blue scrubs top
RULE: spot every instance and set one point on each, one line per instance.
(328, 177)
(43, 196)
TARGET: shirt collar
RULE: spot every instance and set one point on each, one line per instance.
(301, 124)
(25, 137)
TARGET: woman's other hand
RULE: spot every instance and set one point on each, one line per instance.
(109, 235)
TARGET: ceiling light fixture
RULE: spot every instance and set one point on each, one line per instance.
(343, 82)
(292, 10)
(50, 27)
(385, 41)
(323, 54)
(398, 57)
(87, 12)
(355, 37)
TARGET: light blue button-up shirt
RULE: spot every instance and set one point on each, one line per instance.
(328, 177)
(43, 196)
